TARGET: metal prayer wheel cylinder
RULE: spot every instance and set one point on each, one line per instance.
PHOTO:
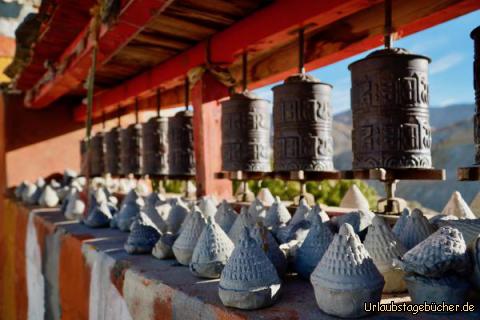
(181, 157)
(97, 162)
(131, 150)
(246, 123)
(112, 144)
(390, 116)
(83, 157)
(302, 125)
(476, 84)
(155, 146)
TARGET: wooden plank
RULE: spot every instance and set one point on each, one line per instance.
(134, 15)
(395, 174)
(207, 136)
(468, 174)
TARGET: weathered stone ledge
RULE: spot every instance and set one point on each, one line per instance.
(68, 271)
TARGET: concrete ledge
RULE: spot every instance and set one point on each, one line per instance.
(58, 269)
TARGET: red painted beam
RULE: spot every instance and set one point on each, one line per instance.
(207, 137)
(258, 31)
(133, 17)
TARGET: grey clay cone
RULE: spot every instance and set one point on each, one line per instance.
(384, 247)
(212, 251)
(143, 235)
(309, 254)
(249, 280)
(188, 238)
(346, 277)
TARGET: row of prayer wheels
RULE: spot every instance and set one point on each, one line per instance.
(161, 146)
(390, 119)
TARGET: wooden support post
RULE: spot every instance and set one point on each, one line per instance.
(3, 158)
(207, 136)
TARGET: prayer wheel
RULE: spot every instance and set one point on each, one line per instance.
(302, 125)
(246, 123)
(155, 146)
(112, 151)
(83, 157)
(97, 152)
(390, 116)
(181, 157)
(476, 84)
(131, 150)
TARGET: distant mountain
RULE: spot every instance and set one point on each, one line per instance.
(452, 148)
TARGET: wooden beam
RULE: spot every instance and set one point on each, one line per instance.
(207, 136)
(75, 62)
(170, 98)
(261, 30)
(350, 36)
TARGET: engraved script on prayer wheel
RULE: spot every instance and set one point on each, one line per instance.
(302, 125)
(246, 123)
(97, 162)
(131, 149)
(155, 146)
(181, 157)
(389, 97)
(476, 84)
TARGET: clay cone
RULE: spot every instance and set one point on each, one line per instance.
(443, 252)
(176, 216)
(355, 199)
(163, 247)
(359, 220)
(75, 206)
(270, 246)
(19, 190)
(458, 207)
(130, 209)
(244, 220)
(208, 207)
(309, 254)
(416, 230)
(346, 277)
(257, 210)
(265, 197)
(212, 251)
(317, 211)
(277, 215)
(249, 280)
(293, 232)
(225, 216)
(383, 246)
(157, 209)
(29, 195)
(188, 238)
(470, 228)
(244, 195)
(143, 235)
(475, 205)
(99, 214)
(401, 222)
(301, 213)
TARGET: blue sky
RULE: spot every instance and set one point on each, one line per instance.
(451, 76)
